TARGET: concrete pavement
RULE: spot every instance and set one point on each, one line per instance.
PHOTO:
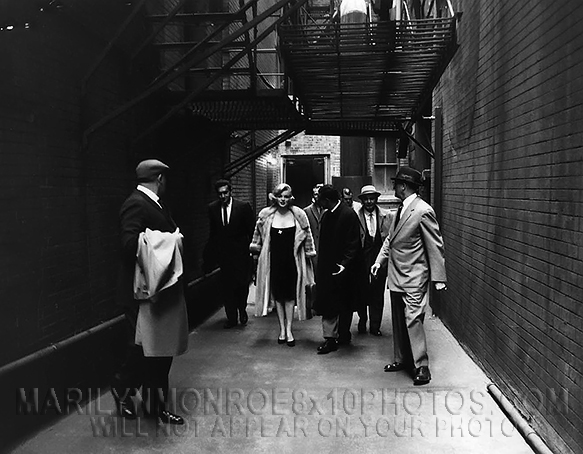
(240, 391)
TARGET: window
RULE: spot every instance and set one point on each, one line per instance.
(385, 163)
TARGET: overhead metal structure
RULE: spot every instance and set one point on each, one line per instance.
(293, 65)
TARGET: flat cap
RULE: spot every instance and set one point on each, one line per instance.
(150, 169)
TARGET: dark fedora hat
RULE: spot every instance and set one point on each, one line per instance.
(409, 175)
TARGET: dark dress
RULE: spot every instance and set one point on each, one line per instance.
(284, 273)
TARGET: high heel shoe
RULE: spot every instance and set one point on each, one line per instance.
(281, 341)
(291, 343)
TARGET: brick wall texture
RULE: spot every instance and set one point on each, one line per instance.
(60, 196)
(512, 209)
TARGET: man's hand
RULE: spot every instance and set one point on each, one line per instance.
(375, 269)
(340, 269)
(440, 286)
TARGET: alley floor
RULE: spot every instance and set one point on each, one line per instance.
(240, 391)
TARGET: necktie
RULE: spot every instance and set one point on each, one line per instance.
(371, 225)
(225, 219)
(398, 217)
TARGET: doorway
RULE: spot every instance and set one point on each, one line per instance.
(302, 173)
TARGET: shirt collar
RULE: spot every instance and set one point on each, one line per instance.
(336, 206)
(408, 201)
(149, 193)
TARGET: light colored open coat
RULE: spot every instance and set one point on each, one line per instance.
(303, 250)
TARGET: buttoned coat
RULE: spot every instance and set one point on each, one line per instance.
(414, 249)
(303, 250)
(339, 245)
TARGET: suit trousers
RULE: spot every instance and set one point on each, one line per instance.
(337, 327)
(148, 372)
(234, 294)
(408, 311)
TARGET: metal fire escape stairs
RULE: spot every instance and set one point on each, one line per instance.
(292, 66)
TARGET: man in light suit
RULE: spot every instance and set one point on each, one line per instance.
(416, 257)
(231, 224)
(374, 228)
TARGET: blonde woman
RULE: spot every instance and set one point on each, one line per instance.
(283, 243)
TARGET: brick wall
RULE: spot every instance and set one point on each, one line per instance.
(61, 198)
(317, 145)
(513, 206)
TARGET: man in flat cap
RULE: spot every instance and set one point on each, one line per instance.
(374, 228)
(157, 329)
(416, 257)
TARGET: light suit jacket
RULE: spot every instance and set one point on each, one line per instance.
(414, 249)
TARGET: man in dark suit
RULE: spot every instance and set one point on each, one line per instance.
(142, 209)
(338, 248)
(374, 228)
(416, 257)
(231, 224)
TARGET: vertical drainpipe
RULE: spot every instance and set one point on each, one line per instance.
(438, 178)
(437, 191)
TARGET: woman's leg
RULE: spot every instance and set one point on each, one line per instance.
(281, 318)
(289, 317)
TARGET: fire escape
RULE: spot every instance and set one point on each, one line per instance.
(295, 66)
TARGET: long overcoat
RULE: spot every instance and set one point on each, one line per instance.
(339, 245)
(303, 251)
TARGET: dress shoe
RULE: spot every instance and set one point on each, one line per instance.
(165, 417)
(243, 317)
(229, 325)
(422, 376)
(395, 367)
(329, 345)
(125, 408)
(376, 332)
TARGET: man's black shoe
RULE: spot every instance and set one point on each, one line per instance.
(229, 325)
(329, 345)
(165, 417)
(125, 408)
(394, 367)
(422, 376)
(243, 317)
(376, 332)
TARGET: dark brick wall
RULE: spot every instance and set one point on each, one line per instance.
(60, 199)
(513, 205)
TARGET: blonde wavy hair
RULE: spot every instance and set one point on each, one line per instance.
(281, 187)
